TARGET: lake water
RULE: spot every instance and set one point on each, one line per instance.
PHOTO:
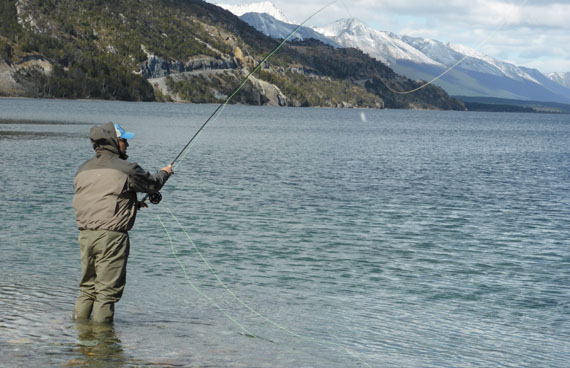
(405, 239)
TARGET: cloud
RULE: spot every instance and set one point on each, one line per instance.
(512, 29)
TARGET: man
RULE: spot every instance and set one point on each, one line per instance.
(105, 204)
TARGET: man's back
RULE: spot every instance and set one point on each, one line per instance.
(103, 198)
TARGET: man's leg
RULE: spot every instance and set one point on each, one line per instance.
(111, 269)
(84, 303)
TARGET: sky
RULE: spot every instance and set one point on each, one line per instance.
(530, 33)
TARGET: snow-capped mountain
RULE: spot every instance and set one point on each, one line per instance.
(392, 48)
(449, 54)
(275, 28)
(383, 46)
(475, 74)
(265, 7)
(560, 78)
(268, 19)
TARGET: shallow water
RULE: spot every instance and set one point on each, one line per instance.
(416, 238)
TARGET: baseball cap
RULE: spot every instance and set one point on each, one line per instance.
(121, 132)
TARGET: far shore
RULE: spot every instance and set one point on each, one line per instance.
(514, 106)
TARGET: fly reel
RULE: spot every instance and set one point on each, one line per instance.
(155, 198)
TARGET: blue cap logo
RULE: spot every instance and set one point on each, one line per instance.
(122, 134)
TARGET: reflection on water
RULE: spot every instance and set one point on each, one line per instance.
(39, 122)
(98, 344)
(34, 129)
(38, 135)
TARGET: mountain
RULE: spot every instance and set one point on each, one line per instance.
(384, 46)
(264, 7)
(278, 29)
(399, 51)
(476, 74)
(560, 78)
(269, 20)
(449, 54)
(183, 50)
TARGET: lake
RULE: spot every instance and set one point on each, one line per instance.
(297, 237)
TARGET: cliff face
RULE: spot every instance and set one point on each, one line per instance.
(188, 51)
(8, 85)
(18, 79)
(156, 67)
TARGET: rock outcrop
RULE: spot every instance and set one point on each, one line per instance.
(157, 67)
(272, 94)
(10, 85)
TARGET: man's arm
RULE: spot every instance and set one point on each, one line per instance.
(144, 182)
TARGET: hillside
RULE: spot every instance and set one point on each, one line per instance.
(182, 50)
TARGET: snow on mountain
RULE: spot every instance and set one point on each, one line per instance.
(266, 7)
(438, 51)
(391, 48)
(268, 19)
(560, 78)
(275, 28)
(384, 46)
(476, 75)
(489, 64)
(420, 58)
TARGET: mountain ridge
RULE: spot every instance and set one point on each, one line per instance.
(419, 58)
(264, 7)
(562, 78)
(488, 76)
(275, 28)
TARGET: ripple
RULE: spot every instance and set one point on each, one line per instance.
(440, 243)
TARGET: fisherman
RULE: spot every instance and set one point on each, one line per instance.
(106, 205)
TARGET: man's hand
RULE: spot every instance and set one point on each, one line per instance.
(142, 204)
(168, 169)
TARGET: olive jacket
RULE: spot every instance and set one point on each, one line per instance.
(106, 185)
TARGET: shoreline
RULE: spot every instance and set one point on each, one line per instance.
(531, 107)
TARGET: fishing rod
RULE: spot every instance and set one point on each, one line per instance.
(155, 198)
(243, 82)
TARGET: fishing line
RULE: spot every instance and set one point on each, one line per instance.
(275, 324)
(480, 45)
(214, 116)
(189, 280)
(346, 8)
(155, 198)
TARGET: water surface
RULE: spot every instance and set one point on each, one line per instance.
(414, 239)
